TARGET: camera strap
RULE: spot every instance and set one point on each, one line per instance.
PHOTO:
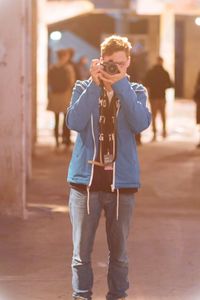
(107, 129)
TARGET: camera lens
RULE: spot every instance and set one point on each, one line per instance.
(111, 68)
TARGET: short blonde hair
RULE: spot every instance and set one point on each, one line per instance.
(115, 43)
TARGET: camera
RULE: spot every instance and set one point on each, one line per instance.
(110, 67)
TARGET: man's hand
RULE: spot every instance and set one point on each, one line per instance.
(95, 71)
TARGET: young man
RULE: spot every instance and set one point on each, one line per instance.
(106, 111)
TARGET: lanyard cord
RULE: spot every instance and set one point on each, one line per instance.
(107, 127)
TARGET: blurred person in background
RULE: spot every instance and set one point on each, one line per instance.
(157, 80)
(138, 65)
(61, 78)
(106, 111)
(197, 101)
(73, 63)
(82, 66)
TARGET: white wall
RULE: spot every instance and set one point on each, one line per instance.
(153, 38)
(14, 105)
(192, 55)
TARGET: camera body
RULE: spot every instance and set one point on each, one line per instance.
(110, 67)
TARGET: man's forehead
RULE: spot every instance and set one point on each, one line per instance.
(118, 54)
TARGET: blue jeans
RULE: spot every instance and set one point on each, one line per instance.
(84, 227)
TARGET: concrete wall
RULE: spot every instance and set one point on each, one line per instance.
(153, 39)
(15, 109)
(191, 54)
(34, 16)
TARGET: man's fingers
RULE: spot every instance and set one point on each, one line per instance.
(105, 79)
(105, 74)
(95, 62)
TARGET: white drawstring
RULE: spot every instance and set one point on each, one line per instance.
(113, 189)
(117, 210)
(113, 180)
(88, 200)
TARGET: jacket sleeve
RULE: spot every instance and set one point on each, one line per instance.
(133, 103)
(85, 98)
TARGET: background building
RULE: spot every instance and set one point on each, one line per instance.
(168, 28)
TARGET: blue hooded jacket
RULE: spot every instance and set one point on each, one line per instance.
(83, 116)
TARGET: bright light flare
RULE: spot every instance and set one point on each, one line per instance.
(197, 21)
(56, 35)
